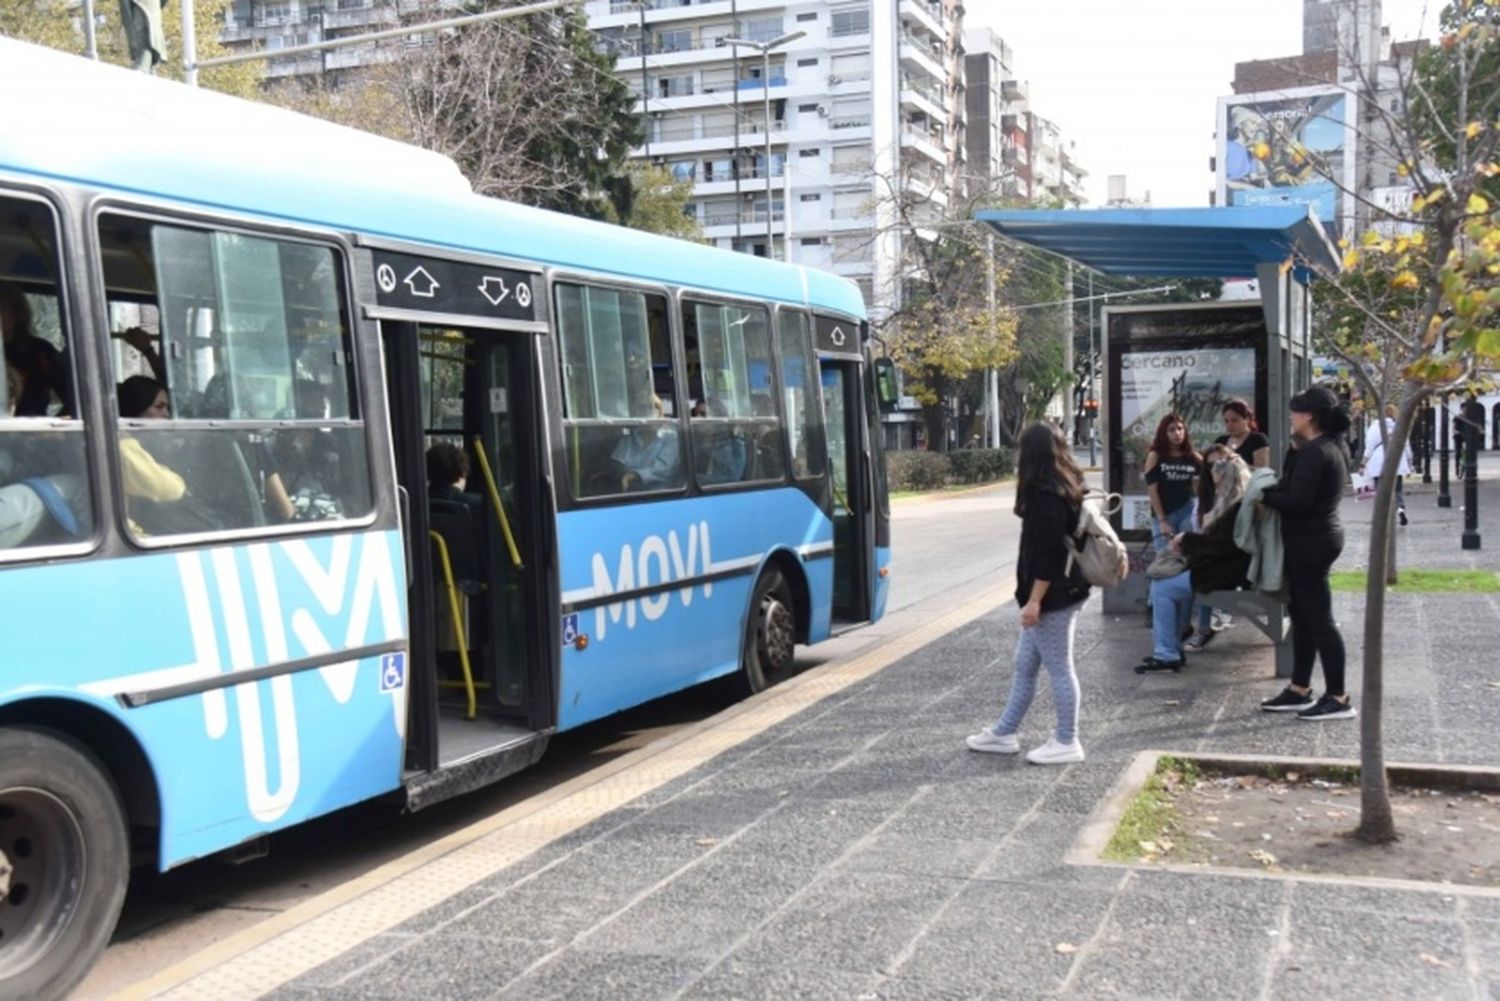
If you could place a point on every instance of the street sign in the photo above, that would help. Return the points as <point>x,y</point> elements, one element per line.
<point>404,281</point>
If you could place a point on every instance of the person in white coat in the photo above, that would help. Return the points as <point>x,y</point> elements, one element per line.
<point>1374,465</point>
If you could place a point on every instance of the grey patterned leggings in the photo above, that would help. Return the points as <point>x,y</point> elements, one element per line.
<point>1049,643</point>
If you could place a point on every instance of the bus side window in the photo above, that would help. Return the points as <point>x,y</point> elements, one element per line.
<point>804,412</point>
<point>738,438</point>
<point>621,408</point>
<point>248,339</point>
<point>44,494</point>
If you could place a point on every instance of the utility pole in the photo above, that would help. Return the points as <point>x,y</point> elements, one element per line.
<point>1093,393</point>
<point>640,6</point>
<point>764,48</point>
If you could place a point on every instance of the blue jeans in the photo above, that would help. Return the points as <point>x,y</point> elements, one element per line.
<point>1181,520</point>
<point>1049,645</point>
<point>1171,604</point>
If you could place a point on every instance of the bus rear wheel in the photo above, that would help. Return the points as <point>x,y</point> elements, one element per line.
<point>770,633</point>
<point>64,861</point>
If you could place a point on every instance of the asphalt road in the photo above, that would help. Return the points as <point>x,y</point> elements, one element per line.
<point>947,547</point>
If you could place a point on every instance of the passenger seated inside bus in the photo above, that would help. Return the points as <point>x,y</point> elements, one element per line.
<point>448,477</point>
<point>157,498</point>
<point>301,466</point>
<point>649,455</point>
<point>723,461</point>
<point>41,368</point>
<point>35,510</point>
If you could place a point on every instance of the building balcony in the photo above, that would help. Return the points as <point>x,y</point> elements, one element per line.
<point>926,100</point>
<point>1011,90</point>
<point>922,57</point>
<point>928,143</point>
<point>928,15</point>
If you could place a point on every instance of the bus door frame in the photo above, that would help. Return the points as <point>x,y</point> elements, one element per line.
<point>393,307</point>
<point>839,341</point>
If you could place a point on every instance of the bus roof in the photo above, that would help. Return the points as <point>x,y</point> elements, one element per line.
<point>112,128</point>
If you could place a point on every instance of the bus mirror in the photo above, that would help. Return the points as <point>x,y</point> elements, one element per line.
<point>885,385</point>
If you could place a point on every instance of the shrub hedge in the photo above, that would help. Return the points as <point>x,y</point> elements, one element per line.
<point>915,470</point>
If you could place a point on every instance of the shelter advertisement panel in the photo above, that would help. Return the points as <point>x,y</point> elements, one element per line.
<point>1288,147</point>
<point>1175,359</point>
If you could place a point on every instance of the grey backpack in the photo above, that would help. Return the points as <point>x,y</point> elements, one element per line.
<point>1094,546</point>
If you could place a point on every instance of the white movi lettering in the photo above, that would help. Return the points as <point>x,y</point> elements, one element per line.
<point>654,606</point>
<point>657,560</point>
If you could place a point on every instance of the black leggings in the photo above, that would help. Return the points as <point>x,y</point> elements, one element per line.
<point>1314,634</point>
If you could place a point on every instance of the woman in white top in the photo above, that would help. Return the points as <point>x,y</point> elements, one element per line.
<point>1374,466</point>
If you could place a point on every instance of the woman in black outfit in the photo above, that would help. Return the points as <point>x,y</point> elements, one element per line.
<point>1312,484</point>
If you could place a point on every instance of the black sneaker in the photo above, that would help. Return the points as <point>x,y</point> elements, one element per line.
<point>1155,664</point>
<point>1329,707</point>
<point>1288,701</point>
<point>1401,516</point>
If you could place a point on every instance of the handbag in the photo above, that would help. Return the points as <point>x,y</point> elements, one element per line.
<point>1168,563</point>
<point>1364,486</point>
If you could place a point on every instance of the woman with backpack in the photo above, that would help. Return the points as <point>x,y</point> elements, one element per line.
<point>1050,589</point>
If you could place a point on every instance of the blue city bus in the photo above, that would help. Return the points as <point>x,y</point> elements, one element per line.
<point>245,576</point>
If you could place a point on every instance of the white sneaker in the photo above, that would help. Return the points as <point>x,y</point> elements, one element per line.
<point>988,742</point>
<point>1053,753</point>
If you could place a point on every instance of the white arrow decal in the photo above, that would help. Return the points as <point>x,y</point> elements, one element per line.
<point>421,283</point>
<point>837,336</point>
<point>487,287</point>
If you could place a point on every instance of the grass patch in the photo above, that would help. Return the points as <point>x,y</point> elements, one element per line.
<point>951,488</point>
<point>1151,814</point>
<point>1421,581</point>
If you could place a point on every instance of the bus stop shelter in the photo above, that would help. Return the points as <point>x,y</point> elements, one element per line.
<point>1279,247</point>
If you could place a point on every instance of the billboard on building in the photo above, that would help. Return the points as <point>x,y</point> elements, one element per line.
<point>1289,147</point>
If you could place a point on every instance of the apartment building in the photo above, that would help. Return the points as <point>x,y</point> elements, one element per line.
<point>1012,152</point>
<point>1330,100</point>
<point>277,24</point>
<point>810,150</point>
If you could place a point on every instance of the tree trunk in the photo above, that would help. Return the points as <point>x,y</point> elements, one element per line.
<point>1377,824</point>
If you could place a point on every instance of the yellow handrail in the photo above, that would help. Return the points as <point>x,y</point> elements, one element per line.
<point>489,481</point>
<point>459,634</point>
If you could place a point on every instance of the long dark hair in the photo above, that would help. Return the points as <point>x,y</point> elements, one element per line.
<point>1045,464</point>
<point>1162,445</point>
<point>1243,409</point>
<point>136,394</point>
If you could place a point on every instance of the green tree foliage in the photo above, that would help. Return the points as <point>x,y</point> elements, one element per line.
<point>55,24</point>
<point>658,204</point>
<point>1414,310</point>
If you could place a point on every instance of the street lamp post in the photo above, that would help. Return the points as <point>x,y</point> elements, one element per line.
<point>640,6</point>
<point>1472,430</point>
<point>1444,499</point>
<point>764,48</point>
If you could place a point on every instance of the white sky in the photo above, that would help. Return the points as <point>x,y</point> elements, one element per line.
<point>1135,82</point>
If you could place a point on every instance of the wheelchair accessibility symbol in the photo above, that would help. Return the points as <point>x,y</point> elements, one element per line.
<point>569,628</point>
<point>392,671</point>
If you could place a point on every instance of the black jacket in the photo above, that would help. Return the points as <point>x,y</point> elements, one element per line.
<point>1312,484</point>
<point>1214,561</point>
<point>1045,528</point>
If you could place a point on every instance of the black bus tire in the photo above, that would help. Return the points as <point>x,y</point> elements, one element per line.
<point>770,634</point>
<point>63,838</point>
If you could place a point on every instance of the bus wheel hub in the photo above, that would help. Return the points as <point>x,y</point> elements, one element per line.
<point>4,876</point>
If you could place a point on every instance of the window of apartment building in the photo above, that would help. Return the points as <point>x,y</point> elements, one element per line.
<point>669,128</point>
<point>716,80</point>
<point>808,152</point>
<point>850,114</point>
<point>720,212</point>
<point>807,62</point>
<point>718,123</point>
<point>682,170</point>
<point>851,204</point>
<point>273,12</point>
<point>814,197</point>
<point>675,40</point>
<point>850,22</point>
<point>812,241</point>
<point>718,169</point>
<point>808,17</point>
<point>851,159</point>
<point>674,86</point>
<point>761,29</point>
<point>807,109</point>
<point>849,68</point>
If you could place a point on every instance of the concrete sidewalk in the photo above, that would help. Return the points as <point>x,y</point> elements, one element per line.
<point>851,847</point>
